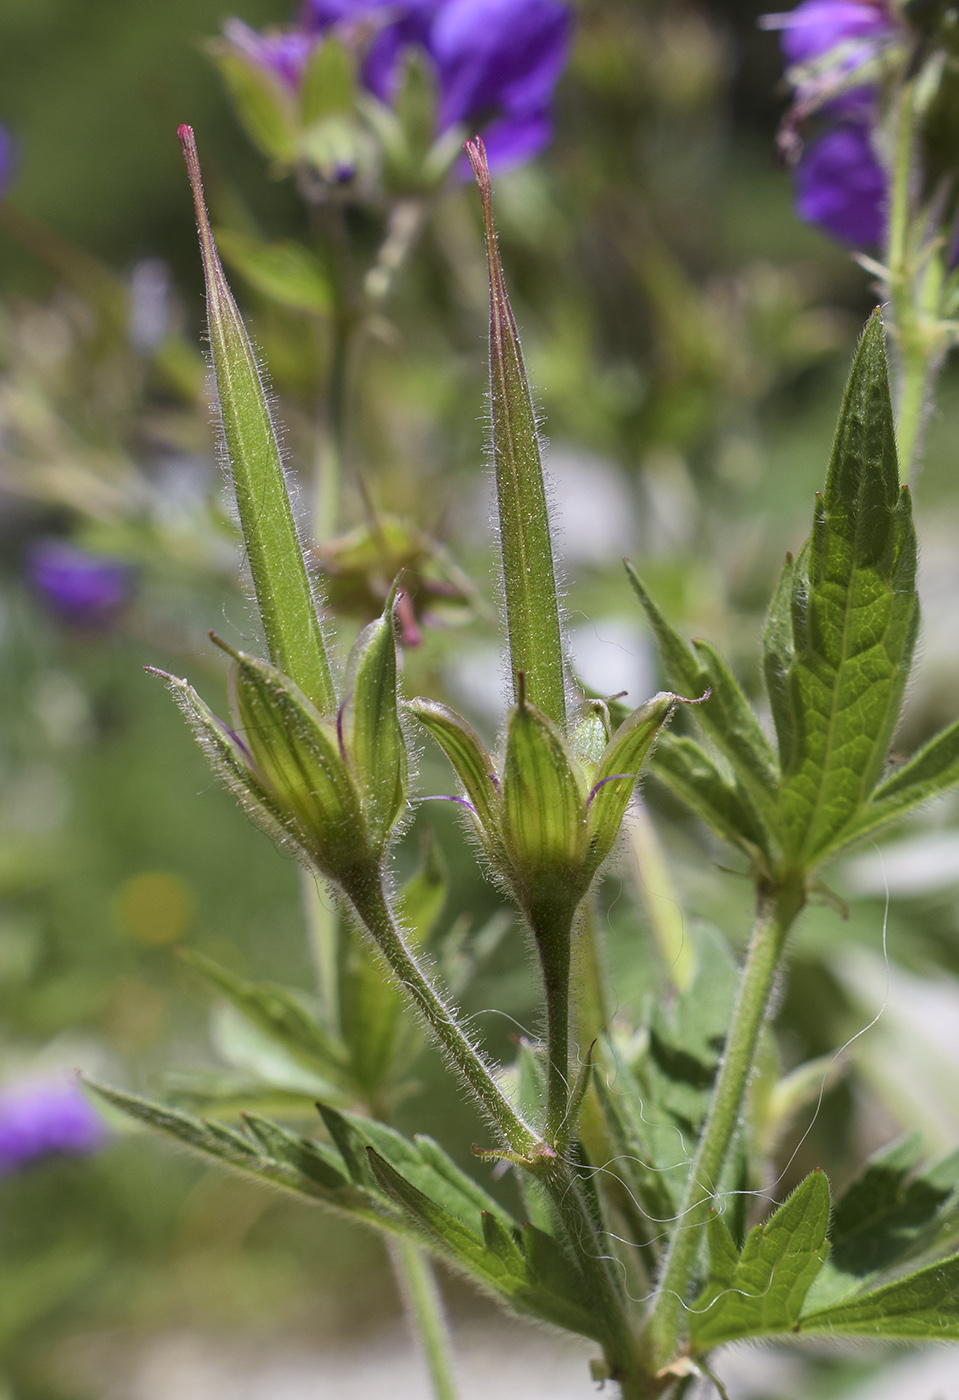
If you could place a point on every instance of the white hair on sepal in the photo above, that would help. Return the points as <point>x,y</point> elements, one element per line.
<point>334,649</point>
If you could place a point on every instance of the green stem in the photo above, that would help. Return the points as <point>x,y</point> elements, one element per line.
<point>913,285</point>
<point>591,1252</point>
<point>365,892</point>
<point>417,1283</point>
<point>777,909</point>
<point>556,985</point>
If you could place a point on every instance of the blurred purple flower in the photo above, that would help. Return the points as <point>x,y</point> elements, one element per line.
<point>8,159</point>
<point>80,588</point>
<point>840,183</point>
<point>841,186</point>
<point>44,1118</point>
<point>497,61</point>
<point>816,26</point>
<point>284,53</point>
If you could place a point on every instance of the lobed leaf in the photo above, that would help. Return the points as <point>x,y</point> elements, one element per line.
<point>886,1215</point>
<point>293,1163</point>
<point>761,1291</point>
<point>537,1279</point>
<point>854,621</point>
<point>929,773</point>
<point>688,771</point>
<point>922,1306</point>
<point>727,716</point>
<point>278,1012</point>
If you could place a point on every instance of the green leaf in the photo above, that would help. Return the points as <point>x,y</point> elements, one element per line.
<point>928,774</point>
<point>291,1163</point>
<point>469,757</point>
<point>689,772</point>
<point>529,576</point>
<point>538,1281</point>
<point>881,1219</point>
<point>854,621</point>
<point>684,671</point>
<point>423,1163</point>
<point>779,653</point>
<point>278,1012</point>
<point>923,1305</point>
<point>727,717</point>
<point>617,771</point>
<point>730,718</point>
<point>261,103</point>
<point>284,593</point>
<point>284,271</point>
<point>761,1292</point>
<point>675,1074</point>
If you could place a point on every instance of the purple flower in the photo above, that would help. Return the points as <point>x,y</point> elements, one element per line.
<point>43,1118</point>
<point>841,186</point>
<point>497,61</point>
<point>816,26</point>
<point>82,589</point>
<point>840,183</point>
<point>8,159</point>
<point>284,53</point>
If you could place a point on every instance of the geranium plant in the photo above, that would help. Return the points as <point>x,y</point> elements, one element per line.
<point>659,1257</point>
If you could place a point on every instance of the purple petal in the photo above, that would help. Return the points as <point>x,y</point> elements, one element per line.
<point>514,139</point>
<point>284,53</point>
<point>815,27</point>
<point>498,57</point>
<point>45,1117</point>
<point>81,588</point>
<point>841,186</point>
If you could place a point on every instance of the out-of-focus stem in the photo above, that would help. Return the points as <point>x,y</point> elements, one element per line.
<point>658,894</point>
<point>592,1012</point>
<point>414,1273</point>
<point>914,282</point>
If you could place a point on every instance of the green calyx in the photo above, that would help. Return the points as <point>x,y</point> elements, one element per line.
<point>550,818</point>
<point>331,786</point>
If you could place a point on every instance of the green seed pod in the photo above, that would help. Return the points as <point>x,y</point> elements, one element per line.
<point>544,816</point>
<point>370,726</point>
<point>296,759</point>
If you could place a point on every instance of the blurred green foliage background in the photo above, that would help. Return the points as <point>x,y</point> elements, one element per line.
<point>689,339</point>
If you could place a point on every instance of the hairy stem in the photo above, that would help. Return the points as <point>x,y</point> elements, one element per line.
<point>777,909</point>
<point>366,894</point>
<point>414,1274</point>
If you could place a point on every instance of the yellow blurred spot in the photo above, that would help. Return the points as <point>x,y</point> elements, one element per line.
<point>153,908</point>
